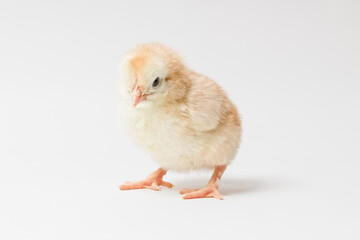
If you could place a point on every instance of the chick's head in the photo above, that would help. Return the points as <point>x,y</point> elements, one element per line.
<point>151,75</point>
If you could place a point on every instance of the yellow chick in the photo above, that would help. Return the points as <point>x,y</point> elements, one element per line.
<point>183,119</point>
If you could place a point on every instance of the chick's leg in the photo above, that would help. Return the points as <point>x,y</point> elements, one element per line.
<point>211,189</point>
<point>153,181</point>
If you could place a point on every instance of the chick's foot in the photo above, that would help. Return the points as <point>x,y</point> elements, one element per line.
<point>211,189</point>
<point>153,184</point>
<point>154,181</point>
<point>207,192</point>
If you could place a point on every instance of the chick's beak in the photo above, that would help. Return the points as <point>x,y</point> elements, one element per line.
<point>137,96</point>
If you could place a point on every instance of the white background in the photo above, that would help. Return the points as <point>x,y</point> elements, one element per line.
<point>291,67</point>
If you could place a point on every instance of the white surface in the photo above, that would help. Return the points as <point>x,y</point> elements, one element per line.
<point>292,68</point>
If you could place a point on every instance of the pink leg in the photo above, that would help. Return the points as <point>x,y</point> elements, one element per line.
<point>153,181</point>
<point>211,189</point>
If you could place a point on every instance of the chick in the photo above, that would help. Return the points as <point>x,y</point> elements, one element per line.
<point>183,119</point>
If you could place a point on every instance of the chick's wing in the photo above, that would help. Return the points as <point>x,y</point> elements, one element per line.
<point>205,101</point>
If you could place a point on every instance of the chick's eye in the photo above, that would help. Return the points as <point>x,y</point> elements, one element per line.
<point>156,82</point>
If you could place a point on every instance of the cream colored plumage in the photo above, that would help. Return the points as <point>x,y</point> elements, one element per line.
<point>182,118</point>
